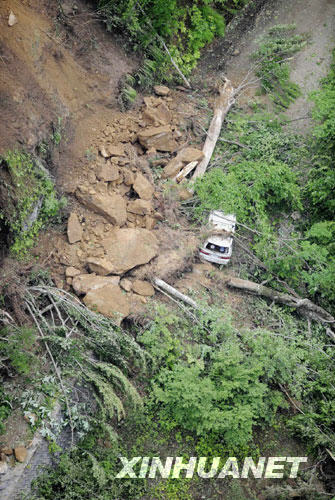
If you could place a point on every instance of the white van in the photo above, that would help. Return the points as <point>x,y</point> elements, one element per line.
<point>219,245</point>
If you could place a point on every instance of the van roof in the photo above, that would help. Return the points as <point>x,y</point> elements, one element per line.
<point>223,221</point>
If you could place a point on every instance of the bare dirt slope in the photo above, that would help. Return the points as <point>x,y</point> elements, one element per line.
<point>55,65</point>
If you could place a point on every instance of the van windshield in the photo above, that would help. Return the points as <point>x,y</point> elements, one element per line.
<point>216,248</point>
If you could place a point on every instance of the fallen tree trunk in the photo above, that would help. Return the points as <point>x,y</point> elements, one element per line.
<point>174,292</point>
<point>305,306</point>
<point>185,171</point>
<point>222,107</point>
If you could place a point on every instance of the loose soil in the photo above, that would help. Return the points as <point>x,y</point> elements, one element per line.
<point>67,66</point>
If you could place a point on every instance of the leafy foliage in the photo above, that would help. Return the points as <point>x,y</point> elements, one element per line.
<point>30,200</point>
<point>184,27</point>
<point>322,177</point>
<point>275,49</point>
<point>16,349</point>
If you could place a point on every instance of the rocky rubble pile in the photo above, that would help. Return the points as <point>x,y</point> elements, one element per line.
<point>114,230</point>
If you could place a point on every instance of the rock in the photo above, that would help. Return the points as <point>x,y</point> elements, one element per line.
<point>100,266</point>
<point>139,207</point>
<point>157,116</point>
<point>143,187</point>
<point>161,162</point>
<point>143,288</point>
<point>236,52</point>
<point>71,272</point>
<point>151,118</point>
<point>110,205</point>
<point>163,113</point>
<point>128,177</point>
<point>126,284</point>
<point>85,282</point>
<point>3,467</point>
<point>159,138</point>
<point>74,229</point>
<point>20,453</point>
<point>109,301</point>
<point>7,451</point>
<point>116,150</point>
<point>69,255</point>
<point>150,222</point>
<point>185,194</point>
<point>12,19</point>
<point>185,156</point>
<point>130,247</point>
<point>123,189</point>
<point>172,168</point>
<point>108,172</point>
<point>103,152</point>
<point>190,154</point>
<point>161,90</point>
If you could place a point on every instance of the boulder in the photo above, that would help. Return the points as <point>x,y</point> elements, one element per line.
<point>7,451</point>
<point>110,205</point>
<point>163,113</point>
<point>139,207</point>
<point>172,168</point>
<point>100,265</point>
<point>116,150</point>
<point>185,194</point>
<point>110,301</point>
<point>108,172</point>
<point>74,229</point>
<point>157,116</point>
<point>126,284</point>
<point>150,222</point>
<point>128,177</point>
<point>130,247</point>
<point>20,453</point>
<point>159,138</point>
<point>71,272</point>
<point>190,154</point>
<point>143,288</point>
<point>143,187</point>
<point>185,156</point>
<point>161,90</point>
<point>85,282</point>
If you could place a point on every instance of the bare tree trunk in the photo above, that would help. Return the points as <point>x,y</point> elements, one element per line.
<point>305,306</point>
<point>223,104</point>
<point>185,171</point>
<point>174,292</point>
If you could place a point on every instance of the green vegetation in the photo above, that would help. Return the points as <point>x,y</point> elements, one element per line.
<point>184,27</point>
<point>213,389</point>
<point>275,49</point>
<point>29,200</point>
<point>279,185</point>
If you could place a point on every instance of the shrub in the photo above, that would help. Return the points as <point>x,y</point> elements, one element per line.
<point>29,200</point>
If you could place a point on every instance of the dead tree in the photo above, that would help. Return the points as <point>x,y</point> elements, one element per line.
<point>304,306</point>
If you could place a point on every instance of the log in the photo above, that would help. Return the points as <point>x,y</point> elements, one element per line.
<point>185,171</point>
<point>174,292</point>
<point>305,306</point>
<point>225,101</point>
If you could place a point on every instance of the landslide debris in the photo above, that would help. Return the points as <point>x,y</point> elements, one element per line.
<point>116,241</point>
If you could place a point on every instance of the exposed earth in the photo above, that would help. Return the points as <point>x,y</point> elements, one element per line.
<point>120,227</point>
